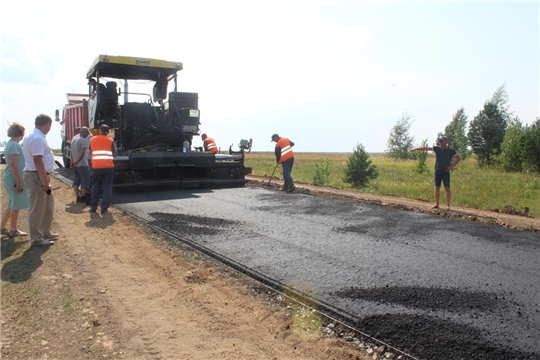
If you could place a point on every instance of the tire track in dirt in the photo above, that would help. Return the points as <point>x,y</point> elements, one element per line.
<point>144,310</point>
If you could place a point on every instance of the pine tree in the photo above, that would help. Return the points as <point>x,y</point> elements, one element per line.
<point>359,170</point>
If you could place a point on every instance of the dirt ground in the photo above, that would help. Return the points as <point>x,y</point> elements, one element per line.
<point>112,288</point>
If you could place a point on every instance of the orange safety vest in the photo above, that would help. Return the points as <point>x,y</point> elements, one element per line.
<point>286,150</point>
<point>102,156</point>
<point>210,145</point>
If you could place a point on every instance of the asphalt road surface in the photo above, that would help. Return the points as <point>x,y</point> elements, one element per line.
<point>435,287</point>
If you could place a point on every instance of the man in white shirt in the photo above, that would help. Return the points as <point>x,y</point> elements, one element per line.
<point>39,165</point>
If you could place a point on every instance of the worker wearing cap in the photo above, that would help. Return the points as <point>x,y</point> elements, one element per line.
<point>209,144</point>
<point>103,151</point>
<point>79,162</point>
<point>285,157</point>
<point>443,165</point>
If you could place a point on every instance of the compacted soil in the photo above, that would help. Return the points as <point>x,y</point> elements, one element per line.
<point>113,288</point>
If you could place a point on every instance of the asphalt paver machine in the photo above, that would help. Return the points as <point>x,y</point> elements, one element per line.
<point>150,126</point>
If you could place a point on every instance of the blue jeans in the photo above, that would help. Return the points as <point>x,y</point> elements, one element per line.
<point>287,168</point>
<point>102,177</point>
<point>81,177</point>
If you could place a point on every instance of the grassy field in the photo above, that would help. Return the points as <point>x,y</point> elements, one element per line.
<point>472,186</point>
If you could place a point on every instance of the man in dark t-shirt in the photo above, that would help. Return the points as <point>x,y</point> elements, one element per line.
<point>443,165</point>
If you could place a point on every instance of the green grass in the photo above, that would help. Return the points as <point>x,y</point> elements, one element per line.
<point>307,323</point>
<point>472,186</point>
<point>68,302</point>
<point>12,248</point>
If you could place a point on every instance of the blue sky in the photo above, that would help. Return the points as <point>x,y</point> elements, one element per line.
<point>328,75</point>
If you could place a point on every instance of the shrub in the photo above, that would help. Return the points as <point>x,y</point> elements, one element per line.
<point>323,171</point>
<point>511,158</point>
<point>421,157</point>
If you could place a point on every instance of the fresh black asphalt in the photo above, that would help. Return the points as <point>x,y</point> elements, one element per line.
<point>432,286</point>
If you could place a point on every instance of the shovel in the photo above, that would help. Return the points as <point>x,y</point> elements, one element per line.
<point>271,176</point>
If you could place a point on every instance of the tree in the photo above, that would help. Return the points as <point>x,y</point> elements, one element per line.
<point>359,170</point>
<point>455,132</point>
<point>531,147</point>
<point>501,99</point>
<point>512,147</point>
<point>486,133</point>
<point>399,141</point>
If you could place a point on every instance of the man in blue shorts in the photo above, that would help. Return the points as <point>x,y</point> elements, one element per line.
<point>79,162</point>
<point>443,165</point>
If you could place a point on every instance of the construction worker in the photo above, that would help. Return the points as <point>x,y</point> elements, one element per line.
<point>285,157</point>
<point>209,144</point>
<point>94,85</point>
<point>103,151</point>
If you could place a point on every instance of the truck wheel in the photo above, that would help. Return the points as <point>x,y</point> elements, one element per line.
<point>67,160</point>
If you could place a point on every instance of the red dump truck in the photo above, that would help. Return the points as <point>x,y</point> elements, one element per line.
<point>74,115</point>
<point>149,134</point>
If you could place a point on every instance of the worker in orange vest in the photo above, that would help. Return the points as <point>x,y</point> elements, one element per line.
<point>103,151</point>
<point>285,157</point>
<point>209,144</point>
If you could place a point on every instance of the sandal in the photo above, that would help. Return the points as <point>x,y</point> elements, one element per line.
<point>17,233</point>
<point>4,231</point>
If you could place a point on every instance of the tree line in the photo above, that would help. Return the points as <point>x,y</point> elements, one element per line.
<point>495,136</point>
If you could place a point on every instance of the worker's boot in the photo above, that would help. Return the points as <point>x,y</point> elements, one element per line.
<point>285,186</point>
<point>291,187</point>
<point>88,199</point>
